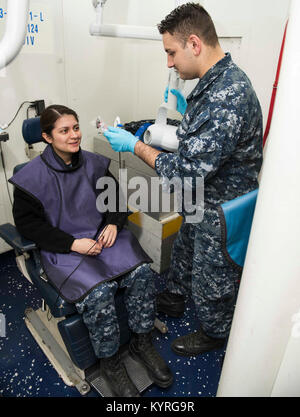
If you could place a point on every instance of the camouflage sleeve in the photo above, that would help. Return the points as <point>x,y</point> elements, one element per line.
<point>201,144</point>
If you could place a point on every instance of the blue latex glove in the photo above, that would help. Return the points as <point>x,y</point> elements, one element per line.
<point>120,140</point>
<point>181,101</point>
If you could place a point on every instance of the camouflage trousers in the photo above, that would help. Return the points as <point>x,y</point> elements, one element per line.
<point>200,270</point>
<point>99,313</point>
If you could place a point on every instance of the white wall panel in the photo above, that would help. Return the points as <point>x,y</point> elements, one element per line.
<point>37,73</point>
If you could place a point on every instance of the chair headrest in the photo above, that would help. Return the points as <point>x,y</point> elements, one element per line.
<point>31,130</point>
<point>18,167</point>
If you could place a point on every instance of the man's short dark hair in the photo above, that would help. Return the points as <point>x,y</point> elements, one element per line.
<point>188,19</point>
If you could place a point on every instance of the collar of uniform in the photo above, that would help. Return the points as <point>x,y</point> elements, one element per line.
<point>55,162</point>
<point>211,75</point>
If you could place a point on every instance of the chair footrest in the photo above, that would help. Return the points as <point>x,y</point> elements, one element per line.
<point>49,343</point>
<point>137,372</point>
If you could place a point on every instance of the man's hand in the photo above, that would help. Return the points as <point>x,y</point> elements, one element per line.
<point>120,140</point>
<point>108,237</point>
<point>87,246</point>
<point>123,141</point>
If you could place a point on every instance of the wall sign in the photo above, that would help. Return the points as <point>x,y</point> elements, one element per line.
<point>40,27</point>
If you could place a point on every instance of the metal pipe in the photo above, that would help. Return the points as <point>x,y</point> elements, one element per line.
<point>125,31</point>
<point>122,31</point>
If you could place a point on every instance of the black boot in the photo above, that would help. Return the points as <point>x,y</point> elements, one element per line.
<point>117,378</point>
<point>142,349</point>
<point>169,303</point>
<point>195,343</point>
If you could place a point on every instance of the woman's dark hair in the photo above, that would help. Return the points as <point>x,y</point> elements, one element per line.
<point>51,114</point>
<point>188,19</point>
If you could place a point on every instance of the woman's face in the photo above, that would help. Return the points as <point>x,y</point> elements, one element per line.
<point>65,137</point>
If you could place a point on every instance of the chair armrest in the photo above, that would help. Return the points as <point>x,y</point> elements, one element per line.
<point>12,237</point>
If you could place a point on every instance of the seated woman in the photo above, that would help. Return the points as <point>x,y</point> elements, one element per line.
<point>86,254</point>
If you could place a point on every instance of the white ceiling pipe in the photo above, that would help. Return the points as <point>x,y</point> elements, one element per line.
<point>181,2</point>
<point>15,31</point>
<point>125,31</point>
<point>122,31</point>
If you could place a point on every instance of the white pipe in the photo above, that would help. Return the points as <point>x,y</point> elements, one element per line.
<point>269,296</point>
<point>125,31</point>
<point>181,2</point>
<point>122,31</point>
<point>15,31</point>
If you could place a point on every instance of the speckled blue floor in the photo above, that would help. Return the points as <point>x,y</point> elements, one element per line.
<point>26,372</point>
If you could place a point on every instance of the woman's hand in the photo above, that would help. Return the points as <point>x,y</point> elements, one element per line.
<point>87,246</point>
<point>108,237</point>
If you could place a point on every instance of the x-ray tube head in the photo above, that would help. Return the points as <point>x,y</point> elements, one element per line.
<point>162,136</point>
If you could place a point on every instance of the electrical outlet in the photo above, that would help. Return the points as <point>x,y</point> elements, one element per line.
<point>39,106</point>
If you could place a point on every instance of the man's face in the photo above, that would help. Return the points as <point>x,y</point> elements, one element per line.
<point>180,57</point>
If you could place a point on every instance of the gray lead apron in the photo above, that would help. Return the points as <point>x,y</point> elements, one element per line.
<point>68,197</point>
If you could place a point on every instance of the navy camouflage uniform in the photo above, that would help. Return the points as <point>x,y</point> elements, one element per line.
<point>220,140</point>
<point>99,314</point>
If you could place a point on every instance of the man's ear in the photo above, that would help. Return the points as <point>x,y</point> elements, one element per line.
<point>195,44</point>
<point>46,137</point>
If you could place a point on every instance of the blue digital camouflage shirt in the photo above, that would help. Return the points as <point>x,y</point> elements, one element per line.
<point>220,136</point>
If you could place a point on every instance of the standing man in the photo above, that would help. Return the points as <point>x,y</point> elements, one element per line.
<point>220,140</point>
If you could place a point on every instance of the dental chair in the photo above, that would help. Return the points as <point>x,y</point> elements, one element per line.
<point>236,218</point>
<point>56,326</point>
